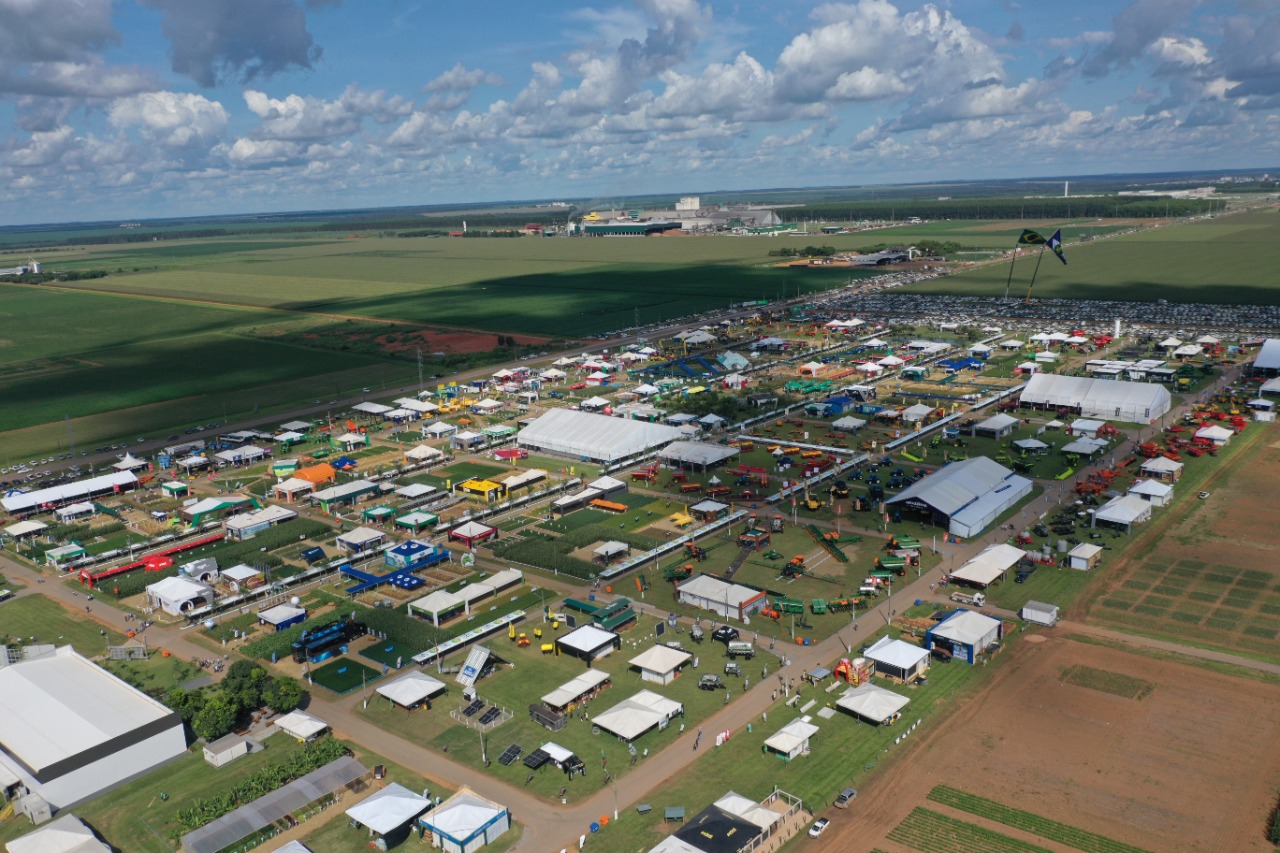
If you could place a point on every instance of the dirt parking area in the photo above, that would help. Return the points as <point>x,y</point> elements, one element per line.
<point>1193,766</point>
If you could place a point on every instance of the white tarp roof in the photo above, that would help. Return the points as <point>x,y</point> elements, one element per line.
<point>423,451</point>
<point>1104,398</point>
<point>967,627</point>
<point>415,490</point>
<point>1085,551</point>
<point>660,659</point>
<point>1214,433</point>
<point>1151,487</point>
<point>1128,509</point>
<point>68,491</point>
<point>1085,446</point>
<point>1030,444</point>
<point>895,653</point>
<point>872,702</point>
<point>334,493</point>
<point>791,737</point>
<point>594,436</point>
<point>557,752</point>
<point>389,809</point>
<point>714,589</point>
<point>439,428</point>
<point>290,436</point>
<point>67,834</point>
<point>997,422</point>
<point>607,484</point>
<point>1161,464</point>
<point>411,688</point>
<point>588,638</point>
<point>570,690</point>
<point>472,529</point>
<point>240,573</point>
<point>632,717</point>
<point>178,589</point>
<point>281,613</point>
<point>697,453</point>
<point>748,809</point>
<point>371,408</point>
<point>917,412</point>
<point>440,601</point>
<point>849,423</point>
<point>301,725</point>
<point>1268,357</point>
<point>129,462</point>
<point>22,528</point>
<point>414,405</point>
<point>608,549</point>
<point>361,536</point>
<point>464,814</point>
<point>294,484</point>
<point>989,564</point>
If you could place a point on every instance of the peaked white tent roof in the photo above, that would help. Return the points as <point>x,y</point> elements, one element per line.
<point>896,653</point>
<point>594,436</point>
<point>1161,464</point>
<point>660,659</point>
<point>632,717</point>
<point>872,702</point>
<point>389,809</point>
<point>951,488</point>
<point>463,814</point>
<point>989,564</point>
<point>791,737</point>
<point>570,690</point>
<point>423,451</point>
<point>301,725</point>
<point>1128,509</point>
<point>1103,398</point>
<point>411,688</point>
<point>1154,488</point>
<point>129,462</point>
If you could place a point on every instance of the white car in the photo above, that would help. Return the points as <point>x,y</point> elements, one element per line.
<point>819,827</point>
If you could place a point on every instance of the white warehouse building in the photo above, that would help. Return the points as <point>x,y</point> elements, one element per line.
<point>70,730</point>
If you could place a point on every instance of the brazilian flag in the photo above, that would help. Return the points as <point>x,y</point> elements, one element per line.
<point>1055,243</point>
<point>1031,238</point>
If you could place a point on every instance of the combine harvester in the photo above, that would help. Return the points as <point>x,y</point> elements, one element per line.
<point>157,562</point>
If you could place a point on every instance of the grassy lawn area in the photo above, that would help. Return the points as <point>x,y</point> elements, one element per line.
<point>1053,584</point>
<point>37,619</point>
<point>156,675</point>
<point>342,675</point>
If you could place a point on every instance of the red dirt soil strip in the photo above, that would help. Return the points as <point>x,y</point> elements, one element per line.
<point>1193,767</point>
<point>449,340</point>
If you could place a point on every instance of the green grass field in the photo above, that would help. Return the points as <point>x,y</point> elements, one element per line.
<point>1115,683</point>
<point>1226,260</point>
<point>342,675</point>
<point>36,619</point>
<point>933,832</point>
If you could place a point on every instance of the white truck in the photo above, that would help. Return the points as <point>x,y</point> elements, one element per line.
<point>975,599</point>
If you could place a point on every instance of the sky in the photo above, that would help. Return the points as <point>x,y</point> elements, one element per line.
<point>122,109</point>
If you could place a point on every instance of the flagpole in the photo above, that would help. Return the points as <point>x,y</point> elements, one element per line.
<point>1039,258</point>
<point>1009,280</point>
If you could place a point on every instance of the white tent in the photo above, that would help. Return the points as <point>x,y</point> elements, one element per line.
<point>897,659</point>
<point>439,429</point>
<point>466,822</point>
<point>423,452</point>
<point>389,809</point>
<point>437,604</point>
<point>1124,511</point>
<point>1217,434</point>
<point>596,437</point>
<point>1153,491</point>
<point>660,664</point>
<point>792,739</point>
<point>631,718</point>
<point>848,424</point>
<point>989,565</point>
<point>571,690</point>
<point>1136,402</point>
<point>872,703</point>
<point>300,725</point>
<point>176,595</point>
<point>67,834</point>
<point>412,688</point>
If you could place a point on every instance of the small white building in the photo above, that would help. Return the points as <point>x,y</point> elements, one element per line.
<point>792,740</point>
<point>1217,434</point>
<point>897,659</point>
<point>1152,491</point>
<point>1084,557</point>
<point>227,749</point>
<point>660,664</point>
<point>301,726</point>
<point>1040,613</point>
<point>1163,469</point>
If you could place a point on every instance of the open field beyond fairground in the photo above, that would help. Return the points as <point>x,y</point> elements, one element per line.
<point>1060,751</point>
<point>1229,260</point>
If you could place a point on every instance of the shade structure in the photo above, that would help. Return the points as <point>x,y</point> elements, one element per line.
<point>1136,402</point>
<point>872,703</point>
<point>411,689</point>
<point>466,822</point>
<point>792,739</point>
<point>387,810</point>
<point>633,717</point>
<point>598,438</point>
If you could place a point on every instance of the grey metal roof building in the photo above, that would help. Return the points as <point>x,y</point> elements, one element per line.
<point>967,496</point>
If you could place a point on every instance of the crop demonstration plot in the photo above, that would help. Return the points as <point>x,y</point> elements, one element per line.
<point>1206,574</point>
<point>1115,683</point>
<point>930,832</point>
<point>1092,769</point>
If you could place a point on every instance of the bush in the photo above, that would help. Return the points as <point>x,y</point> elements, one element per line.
<point>1275,825</point>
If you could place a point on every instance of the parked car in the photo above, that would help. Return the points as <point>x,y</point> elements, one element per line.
<point>845,797</point>
<point>710,682</point>
<point>819,827</point>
